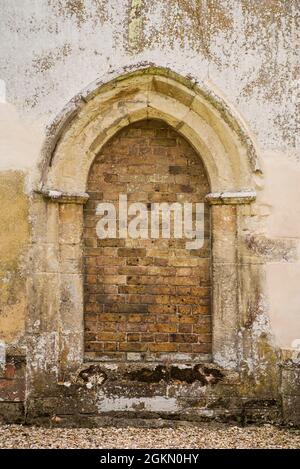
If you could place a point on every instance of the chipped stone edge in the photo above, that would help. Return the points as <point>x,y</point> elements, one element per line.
<point>230,198</point>
<point>64,197</point>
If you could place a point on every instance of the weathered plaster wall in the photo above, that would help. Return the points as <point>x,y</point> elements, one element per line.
<point>247,50</point>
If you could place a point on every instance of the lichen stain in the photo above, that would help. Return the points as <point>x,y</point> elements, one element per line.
<point>253,308</point>
<point>48,60</point>
<point>71,9</point>
<point>204,375</point>
<point>39,92</point>
<point>288,125</point>
<point>266,24</point>
<point>93,375</point>
<point>135,26</point>
<point>192,23</point>
<point>13,242</point>
<point>265,374</point>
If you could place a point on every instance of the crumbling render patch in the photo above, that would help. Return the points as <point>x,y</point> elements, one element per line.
<point>91,376</point>
<point>204,374</point>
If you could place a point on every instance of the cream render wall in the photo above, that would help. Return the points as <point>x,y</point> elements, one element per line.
<point>281,194</point>
<point>246,51</point>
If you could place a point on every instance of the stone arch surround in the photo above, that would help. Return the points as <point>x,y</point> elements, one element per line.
<point>230,160</point>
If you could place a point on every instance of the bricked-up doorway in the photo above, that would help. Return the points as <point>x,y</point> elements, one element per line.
<point>146,298</point>
<point>74,142</point>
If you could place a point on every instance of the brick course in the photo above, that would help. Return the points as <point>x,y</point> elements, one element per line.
<point>150,296</point>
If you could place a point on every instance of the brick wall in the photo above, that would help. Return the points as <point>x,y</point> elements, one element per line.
<point>145,298</point>
<point>12,389</point>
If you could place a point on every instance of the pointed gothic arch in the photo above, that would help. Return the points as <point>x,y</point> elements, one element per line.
<point>79,133</point>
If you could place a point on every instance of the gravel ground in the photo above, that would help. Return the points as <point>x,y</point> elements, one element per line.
<point>206,435</point>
